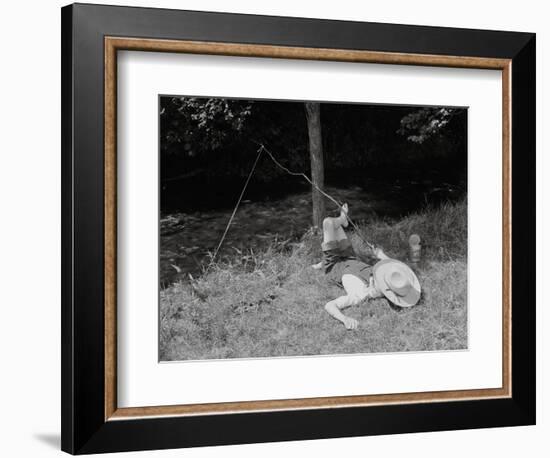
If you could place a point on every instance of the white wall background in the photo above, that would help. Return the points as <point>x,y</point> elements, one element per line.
<point>30,226</point>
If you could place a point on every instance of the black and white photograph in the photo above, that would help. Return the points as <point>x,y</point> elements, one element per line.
<point>300,228</point>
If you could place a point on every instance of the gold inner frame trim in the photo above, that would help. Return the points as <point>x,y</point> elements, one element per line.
<point>114,44</point>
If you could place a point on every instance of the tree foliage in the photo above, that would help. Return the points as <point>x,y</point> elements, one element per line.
<point>210,144</point>
<point>193,125</point>
<point>425,123</point>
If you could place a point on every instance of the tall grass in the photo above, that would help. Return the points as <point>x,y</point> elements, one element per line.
<point>270,302</point>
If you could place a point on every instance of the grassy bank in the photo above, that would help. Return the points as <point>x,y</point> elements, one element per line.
<point>271,302</point>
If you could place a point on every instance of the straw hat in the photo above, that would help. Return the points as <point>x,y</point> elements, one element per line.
<point>397,282</point>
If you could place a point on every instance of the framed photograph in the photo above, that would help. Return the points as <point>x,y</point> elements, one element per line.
<point>284,228</point>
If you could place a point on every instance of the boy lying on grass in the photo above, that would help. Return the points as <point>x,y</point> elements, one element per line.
<point>388,277</point>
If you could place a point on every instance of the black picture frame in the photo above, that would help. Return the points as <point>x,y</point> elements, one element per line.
<point>84,427</point>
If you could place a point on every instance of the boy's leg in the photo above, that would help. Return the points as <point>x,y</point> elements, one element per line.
<point>333,228</point>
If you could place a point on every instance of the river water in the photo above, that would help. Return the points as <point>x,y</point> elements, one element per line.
<point>188,238</point>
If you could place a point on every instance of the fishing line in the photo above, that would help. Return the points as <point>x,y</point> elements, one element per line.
<point>261,149</point>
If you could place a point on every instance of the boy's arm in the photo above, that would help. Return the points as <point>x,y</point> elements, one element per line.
<point>334,311</point>
<point>379,253</point>
<point>376,252</point>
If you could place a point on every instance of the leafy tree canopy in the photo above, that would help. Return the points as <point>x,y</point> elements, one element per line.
<point>425,123</point>
<point>193,125</point>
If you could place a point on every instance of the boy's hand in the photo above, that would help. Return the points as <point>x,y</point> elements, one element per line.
<point>379,253</point>
<point>350,323</point>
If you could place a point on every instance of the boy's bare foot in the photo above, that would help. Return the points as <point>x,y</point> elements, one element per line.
<point>344,210</point>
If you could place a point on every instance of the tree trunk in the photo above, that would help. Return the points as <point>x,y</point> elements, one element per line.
<point>313,115</point>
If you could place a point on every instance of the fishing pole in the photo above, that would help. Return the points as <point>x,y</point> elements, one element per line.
<point>338,204</point>
<point>260,150</point>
